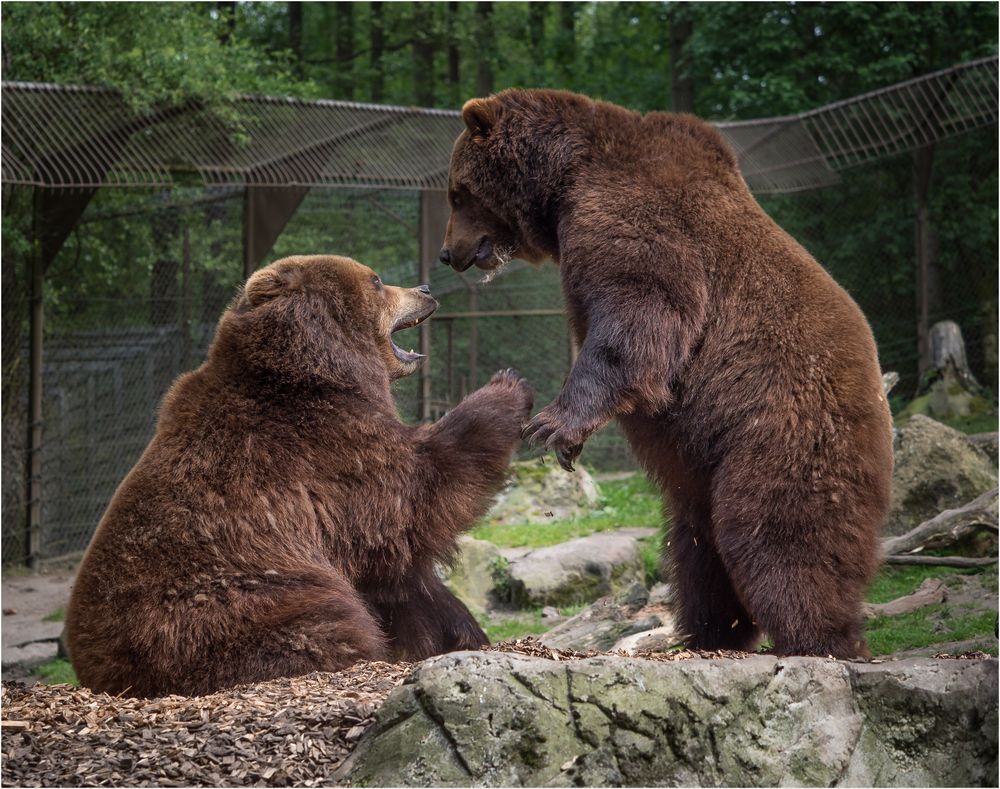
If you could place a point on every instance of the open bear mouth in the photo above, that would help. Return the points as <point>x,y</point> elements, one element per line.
<point>483,254</point>
<point>411,356</point>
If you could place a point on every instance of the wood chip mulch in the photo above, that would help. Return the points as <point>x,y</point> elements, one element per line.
<point>975,655</point>
<point>279,733</point>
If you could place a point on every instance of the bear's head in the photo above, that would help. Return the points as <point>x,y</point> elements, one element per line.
<point>322,319</point>
<point>510,168</point>
<point>524,153</point>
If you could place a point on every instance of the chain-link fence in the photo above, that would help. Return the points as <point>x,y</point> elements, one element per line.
<point>132,299</point>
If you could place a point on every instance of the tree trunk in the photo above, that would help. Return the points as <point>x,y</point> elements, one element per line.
<point>681,82</point>
<point>344,78</point>
<point>923,160</point>
<point>377,45</point>
<point>487,48</point>
<point>163,283</point>
<point>295,36</point>
<point>567,44</point>
<point>536,34</point>
<point>454,56</point>
<point>227,13</point>
<point>423,54</point>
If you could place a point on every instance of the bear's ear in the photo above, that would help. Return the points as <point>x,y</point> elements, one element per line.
<point>480,115</point>
<point>268,283</point>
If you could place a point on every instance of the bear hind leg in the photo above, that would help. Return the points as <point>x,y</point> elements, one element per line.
<point>800,578</point>
<point>314,623</point>
<point>710,612</point>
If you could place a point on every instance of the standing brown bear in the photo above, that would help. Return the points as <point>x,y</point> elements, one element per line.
<point>283,519</point>
<point>745,379</point>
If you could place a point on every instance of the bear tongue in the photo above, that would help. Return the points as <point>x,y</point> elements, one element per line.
<point>405,356</point>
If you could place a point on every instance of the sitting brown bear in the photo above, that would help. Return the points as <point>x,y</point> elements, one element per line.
<point>283,519</point>
<point>745,378</point>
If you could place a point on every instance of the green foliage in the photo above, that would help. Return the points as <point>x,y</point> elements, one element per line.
<point>57,671</point>
<point>58,615</point>
<point>627,502</point>
<point>752,60</point>
<point>499,573</point>
<point>152,52</point>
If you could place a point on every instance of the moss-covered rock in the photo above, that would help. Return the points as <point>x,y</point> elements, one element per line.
<point>936,468</point>
<point>539,490</point>
<point>489,719</point>
<point>471,575</point>
<point>578,571</point>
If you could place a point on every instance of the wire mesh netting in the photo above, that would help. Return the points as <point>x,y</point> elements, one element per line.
<point>133,296</point>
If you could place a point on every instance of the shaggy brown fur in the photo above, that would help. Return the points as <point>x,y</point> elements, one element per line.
<point>283,519</point>
<point>745,379</point>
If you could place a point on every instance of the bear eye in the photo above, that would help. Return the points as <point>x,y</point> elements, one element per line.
<point>456,201</point>
<point>377,282</point>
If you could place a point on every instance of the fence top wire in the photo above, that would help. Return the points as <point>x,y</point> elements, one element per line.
<point>60,136</point>
<point>805,151</point>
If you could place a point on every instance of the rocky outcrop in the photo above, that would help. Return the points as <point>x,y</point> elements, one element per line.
<point>601,625</point>
<point>492,719</point>
<point>988,443</point>
<point>936,468</point>
<point>577,571</point>
<point>538,491</point>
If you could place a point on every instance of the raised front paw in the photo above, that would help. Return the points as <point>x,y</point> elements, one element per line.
<point>518,385</point>
<point>557,430</point>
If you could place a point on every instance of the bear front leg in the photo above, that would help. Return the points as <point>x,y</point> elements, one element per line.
<point>464,456</point>
<point>423,618</point>
<point>639,305</point>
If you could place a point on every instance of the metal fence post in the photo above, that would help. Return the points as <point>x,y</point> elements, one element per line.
<point>434,212</point>
<point>34,459</point>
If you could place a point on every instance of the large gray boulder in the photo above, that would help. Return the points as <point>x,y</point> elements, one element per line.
<point>539,490</point>
<point>577,571</point>
<point>936,468</point>
<point>489,719</point>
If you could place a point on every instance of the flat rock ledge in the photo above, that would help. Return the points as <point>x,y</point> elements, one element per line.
<point>495,719</point>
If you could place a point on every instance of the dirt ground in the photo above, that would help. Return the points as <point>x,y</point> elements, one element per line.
<point>26,638</point>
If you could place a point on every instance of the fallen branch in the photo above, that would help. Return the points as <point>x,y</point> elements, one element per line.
<point>930,592</point>
<point>947,527</point>
<point>941,561</point>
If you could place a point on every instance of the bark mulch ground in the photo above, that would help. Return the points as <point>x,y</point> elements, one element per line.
<point>285,732</point>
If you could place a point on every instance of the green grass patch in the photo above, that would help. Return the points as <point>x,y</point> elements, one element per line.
<point>974,423</point>
<point>504,627</point>
<point>935,624</point>
<point>58,615</point>
<point>983,419</point>
<point>651,549</point>
<point>57,671</point>
<point>630,502</point>
<point>895,581</point>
